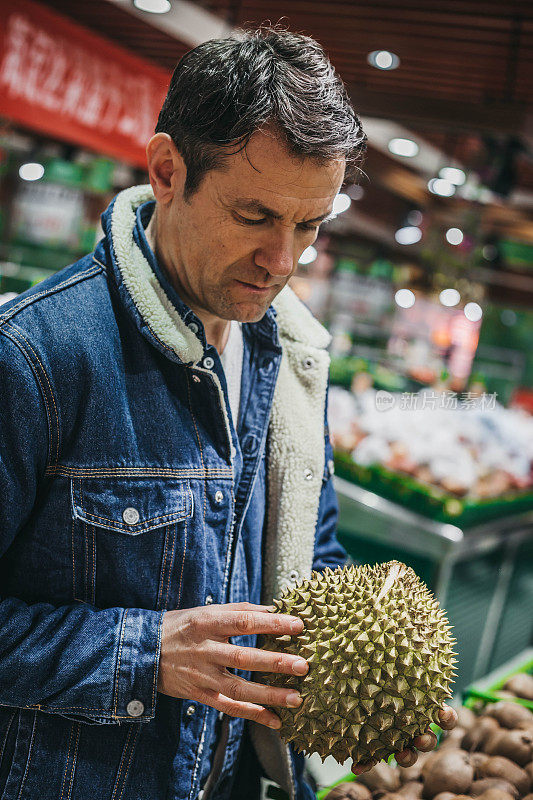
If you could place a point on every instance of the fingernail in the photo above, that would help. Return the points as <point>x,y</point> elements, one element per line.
<point>293,700</point>
<point>427,740</point>
<point>296,624</point>
<point>275,723</point>
<point>299,667</point>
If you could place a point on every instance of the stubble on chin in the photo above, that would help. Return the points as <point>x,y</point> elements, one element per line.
<point>229,308</point>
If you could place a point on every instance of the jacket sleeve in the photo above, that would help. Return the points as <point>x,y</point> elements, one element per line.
<point>74,659</point>
<point>328,550</point>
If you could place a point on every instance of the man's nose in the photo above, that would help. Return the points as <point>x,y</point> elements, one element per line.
<point>277,254</point>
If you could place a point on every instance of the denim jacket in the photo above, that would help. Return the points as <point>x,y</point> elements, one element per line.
<point>127,489</point>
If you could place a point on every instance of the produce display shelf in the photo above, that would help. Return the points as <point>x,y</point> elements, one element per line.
<point>430,501</point>
<point>488,687</point>
<point>481,574</point>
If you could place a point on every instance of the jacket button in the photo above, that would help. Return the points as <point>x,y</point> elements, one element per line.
<point>192,326</point>
<point>191,710</point>
<point>209,362</point>
<point>135,708</point>
<point>294,575</point>
<point>219,496</point>
<point>309,362</point>
<point>308,474</point>
<point>130,516</point>
<point>208,600</point>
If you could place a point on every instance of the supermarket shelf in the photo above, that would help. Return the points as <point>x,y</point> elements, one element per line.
<point>387,522</point>
<point>476,571</point>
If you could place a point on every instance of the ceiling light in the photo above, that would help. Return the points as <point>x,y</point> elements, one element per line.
<point>449,297</point>
<point>454,236</point>
<point>508,317</point>
<point>383,59</point>
<point>153,6</point>
<point>31,171</point>
<point>403,147</point>
<point>473,312</point>
<point>415,217</point>
<point>341,203</point>
<point>308,255</point>
<point>441,187</point>
<point>355,192</point>
<point>408,235</point>
<point>453,175</point>
<point>404,298</point>
<point>490,252</point>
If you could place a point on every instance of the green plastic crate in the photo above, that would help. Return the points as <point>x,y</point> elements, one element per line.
<point>430,501</point>
<point>487,688</point>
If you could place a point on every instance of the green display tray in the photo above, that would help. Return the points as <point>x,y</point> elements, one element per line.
<point>430,501</point>
<point>350,777</point>
<point>487,688</point>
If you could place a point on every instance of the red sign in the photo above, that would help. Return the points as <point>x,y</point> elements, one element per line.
<point>63,80</point>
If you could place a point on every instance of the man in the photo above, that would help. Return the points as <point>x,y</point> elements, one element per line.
<point>164,463</point>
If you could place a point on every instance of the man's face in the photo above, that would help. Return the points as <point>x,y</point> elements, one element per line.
<point>237,241</point>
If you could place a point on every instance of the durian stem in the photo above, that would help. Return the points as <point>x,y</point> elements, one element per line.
<point>397,570</point>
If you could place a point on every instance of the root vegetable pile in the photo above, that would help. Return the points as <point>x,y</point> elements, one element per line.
<point>486,757</point>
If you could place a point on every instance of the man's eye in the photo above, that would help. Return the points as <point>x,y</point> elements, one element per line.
<point>247,221</point>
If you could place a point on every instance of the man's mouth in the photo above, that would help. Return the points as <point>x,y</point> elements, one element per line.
<point>252,287</point>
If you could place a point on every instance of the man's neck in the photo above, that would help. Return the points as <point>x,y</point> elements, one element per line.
<point>216,330</point>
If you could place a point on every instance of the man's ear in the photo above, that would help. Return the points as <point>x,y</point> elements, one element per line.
<point>166,168</point>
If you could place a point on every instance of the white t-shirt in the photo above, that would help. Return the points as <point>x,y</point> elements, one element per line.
<point>231,360</point>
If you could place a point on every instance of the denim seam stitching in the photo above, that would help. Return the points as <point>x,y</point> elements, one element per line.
<point>171,561</point>
<point>7,734</point>
<point>117,676</point>
<point>195,769</point>
<point>222,472</point>
<point>73,561</point>
<point>88,273</point>
<point>93,587</point>
<point>74,762</point>
<point>156,659</point>
<point>110,714</point>
<point>162,579</point>
<point>183,564</point>
<point>118,525</point>
<point>21,347</point>
<point>21,335</point>
<point>201,451</point>
<point>30,751</point>
<point>132,751</point>
<point>68,759</point>
<point>122,760</point>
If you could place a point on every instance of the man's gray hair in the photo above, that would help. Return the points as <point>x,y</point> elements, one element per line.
<point>225,90</point>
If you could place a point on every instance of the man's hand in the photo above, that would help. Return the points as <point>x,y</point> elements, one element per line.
<point>196,655</point>
<point>426,742</point>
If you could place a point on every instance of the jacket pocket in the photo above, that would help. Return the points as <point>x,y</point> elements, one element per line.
<point>125,535</point>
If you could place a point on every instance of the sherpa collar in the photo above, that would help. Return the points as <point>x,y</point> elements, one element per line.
<point>294,320</point>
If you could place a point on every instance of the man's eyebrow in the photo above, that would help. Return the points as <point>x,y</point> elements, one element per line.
<point>257,207</point>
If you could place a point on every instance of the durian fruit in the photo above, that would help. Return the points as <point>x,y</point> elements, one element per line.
<point>380,661</point>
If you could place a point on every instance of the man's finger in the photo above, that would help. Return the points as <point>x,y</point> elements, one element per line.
<point>255,660</point>
<point>235,709</point>
<point>447,718</point>
<point>407,757</point>
<point>223,623</point>
<point>425,742</point>
<point>358,769</point>
<point>244,691</point>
